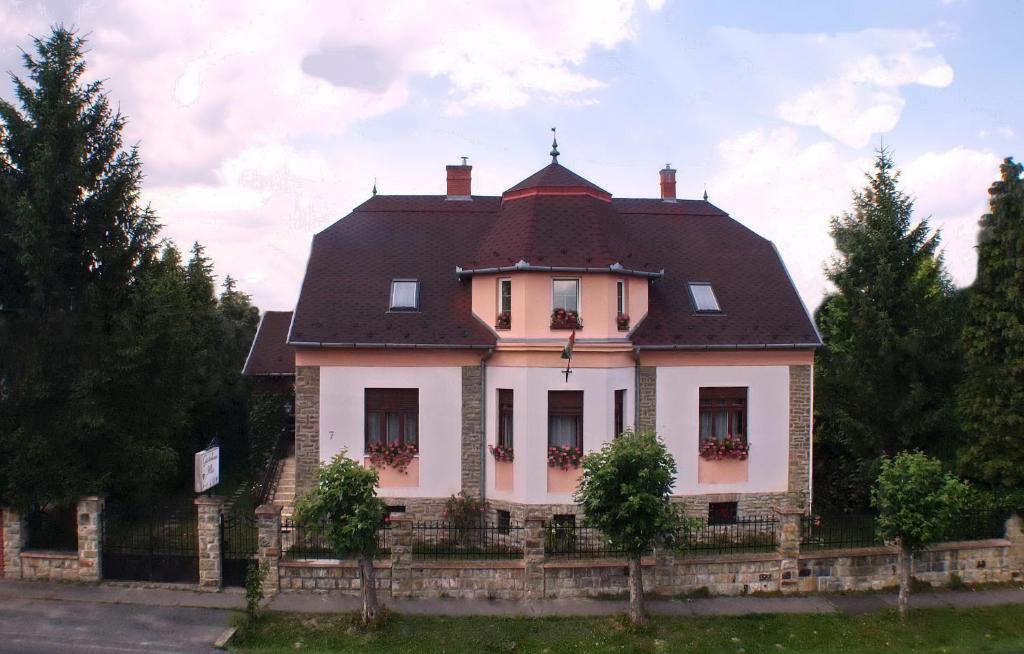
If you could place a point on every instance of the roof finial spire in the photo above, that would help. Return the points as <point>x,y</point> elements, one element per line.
<point>375,186</point>
<point>554,145</point>
<point>705,192</point>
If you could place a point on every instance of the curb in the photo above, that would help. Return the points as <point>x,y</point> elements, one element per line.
<point>225,638</point>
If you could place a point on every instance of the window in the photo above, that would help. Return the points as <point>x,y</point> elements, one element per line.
<point>564,520</point>
<point>620,410</point>
<point>565,294</point>
<point>405,294</point>
<point>505,417</point>
<point>565,419</point>
<point>392,416</point>
<point>396,508</point>
<point>620,297</point>
<point>723,412</point>
<point>504,295</point>
<point>704,299</point>
<point>722,513</point>
<point>504,521</point>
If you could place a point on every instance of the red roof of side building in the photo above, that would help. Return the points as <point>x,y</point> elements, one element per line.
<point>270,354</point>
<point>565,224</point>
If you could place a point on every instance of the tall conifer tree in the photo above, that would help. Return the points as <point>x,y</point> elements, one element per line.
<point>884,379</point>
<point>992,397</point>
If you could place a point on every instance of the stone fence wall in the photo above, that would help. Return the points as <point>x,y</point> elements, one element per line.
<point>55,565</point>
<point>666,573</point>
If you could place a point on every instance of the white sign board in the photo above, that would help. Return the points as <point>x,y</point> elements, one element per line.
<point>207,469</point>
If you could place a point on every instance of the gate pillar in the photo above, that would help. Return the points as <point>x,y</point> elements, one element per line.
<point>90,532</point>
<point>209,512</point>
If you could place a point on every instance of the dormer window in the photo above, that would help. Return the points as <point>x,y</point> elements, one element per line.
<point>704,300</point>
<point>405,295</point>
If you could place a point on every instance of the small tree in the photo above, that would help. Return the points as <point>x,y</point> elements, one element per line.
<point>624,492</point>
<point>918,503</point>
<point>343,508</point>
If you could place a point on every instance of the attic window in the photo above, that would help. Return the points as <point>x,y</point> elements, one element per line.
<point>704,299</point>
<point>405,295</point>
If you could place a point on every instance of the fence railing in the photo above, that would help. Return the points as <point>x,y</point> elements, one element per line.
<point>52,529</point>
<point>262,491</point>
<point>571,541</point>
<point>975,524</point>
<point>751,534</point>
<point>445,541</point>
<point>838,532</point>
<point>298,543</point>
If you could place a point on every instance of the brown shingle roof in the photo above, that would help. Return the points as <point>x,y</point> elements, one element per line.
<point>344,298</point>
<point>270,353</point>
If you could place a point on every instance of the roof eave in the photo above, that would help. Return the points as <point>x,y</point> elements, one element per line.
<point>733,346</point>
<point>391,346</point>
<point>522,266</point>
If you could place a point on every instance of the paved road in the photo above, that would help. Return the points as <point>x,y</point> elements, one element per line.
<point>37,626</point>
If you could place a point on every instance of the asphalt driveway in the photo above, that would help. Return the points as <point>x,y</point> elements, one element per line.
<point>47,625</point>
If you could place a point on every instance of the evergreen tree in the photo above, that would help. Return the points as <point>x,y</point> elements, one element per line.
<point>992,397</point>
<point>885,378</point>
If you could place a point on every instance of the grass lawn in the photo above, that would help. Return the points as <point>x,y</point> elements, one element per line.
<point>991,629</point>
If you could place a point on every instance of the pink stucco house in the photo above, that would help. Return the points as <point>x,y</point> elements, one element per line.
<point>438,323</point>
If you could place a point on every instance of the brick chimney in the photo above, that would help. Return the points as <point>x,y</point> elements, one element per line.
<point>668,184</point>
<point>460,178</point>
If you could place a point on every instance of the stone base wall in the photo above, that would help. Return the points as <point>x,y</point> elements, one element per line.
<point>748,504</point>
<point>727,575</point>
<point>875,568</point>
<point>467,579</point>
<point>40,565</point>
<point>340,577</point>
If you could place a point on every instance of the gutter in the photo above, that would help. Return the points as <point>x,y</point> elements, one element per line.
<point>522,266</point>
<point>391,346</point>
<point>483,424</point>
<point>738,346</point>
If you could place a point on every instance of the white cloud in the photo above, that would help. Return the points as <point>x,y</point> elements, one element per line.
<point>787,191</point>
<point>849,85</point>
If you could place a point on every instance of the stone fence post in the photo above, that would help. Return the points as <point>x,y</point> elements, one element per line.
<point>15,535</point>
<point>268,524</point>
<point>209,514</point>
<point>789,548</point>
<point>1015,534</point>
<point>533,554</point>
<point>401,557</point>
<point>90,537</point>
<point>664,569</point>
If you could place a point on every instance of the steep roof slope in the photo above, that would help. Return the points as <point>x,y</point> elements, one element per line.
<point>270,353</point>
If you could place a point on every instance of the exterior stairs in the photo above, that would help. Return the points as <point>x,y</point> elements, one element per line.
<point>284,492</point>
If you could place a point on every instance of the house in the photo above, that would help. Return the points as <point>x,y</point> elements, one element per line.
<point>271,361</point>
<point>431,330</point>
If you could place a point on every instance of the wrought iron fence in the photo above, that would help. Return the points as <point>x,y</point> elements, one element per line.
<point>567,540</point>
<point>838,531</point>
<point>478,540</point>
<point>159,545</point>
<point>54,528</point>
<point>751,534</point>
<point>298,542</point>
<point>978,524</point>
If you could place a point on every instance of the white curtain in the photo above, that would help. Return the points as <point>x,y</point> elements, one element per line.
<point>705,424</point>
<point>393,427</point>
<point>373,423</point>
<point>562,431</point>
<point>411,430</point>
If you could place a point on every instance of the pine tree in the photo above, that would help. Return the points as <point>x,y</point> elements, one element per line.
<point>992,396</point>
<point>885,378</point>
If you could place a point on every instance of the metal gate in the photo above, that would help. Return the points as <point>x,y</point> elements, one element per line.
<point>239,539</point>
<point>150,546</point>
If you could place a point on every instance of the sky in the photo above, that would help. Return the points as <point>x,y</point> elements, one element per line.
<point>262,123</point>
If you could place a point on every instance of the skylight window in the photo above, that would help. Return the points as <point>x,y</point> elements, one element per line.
<point>405,295</point>
<point>704,299</point>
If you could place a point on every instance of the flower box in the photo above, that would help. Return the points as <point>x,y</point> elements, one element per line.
<point>504,320</point>
<point>565,319</point>
<point>564,458</point>
<point>502,453</point>
<point>393,455</point>
<point>622,321</point>
<point>727,448</point>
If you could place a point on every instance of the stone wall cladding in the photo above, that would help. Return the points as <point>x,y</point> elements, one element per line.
<point>748,504</point>
<point>44,565</point>
<point>15,532</point>
<point>579,579</point>
<point>471,437</point>
<point>338,577</point>
<point>307,427</point>
<point>467,580</point>
<point>734,574</point>
<point>90,516</point>
<point>800,436</point>
<point>647,418</point>
<point>209,510</point>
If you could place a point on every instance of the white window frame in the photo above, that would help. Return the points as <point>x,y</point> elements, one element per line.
<point>391,299</point>
<point>693,298</point>
<point>502,280</point>
<point>621,302</point>
<point>579,293</point>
